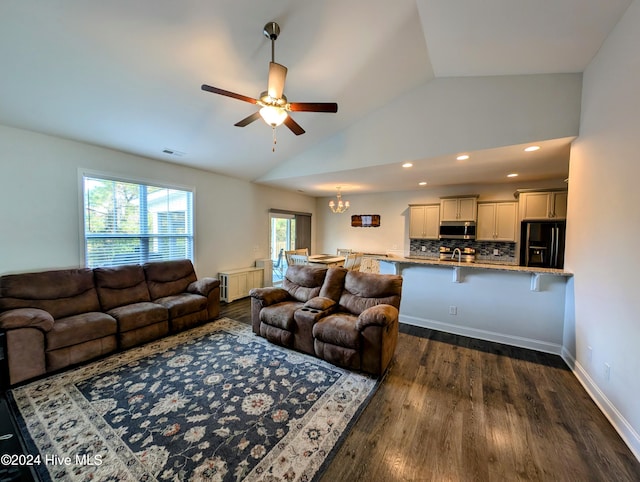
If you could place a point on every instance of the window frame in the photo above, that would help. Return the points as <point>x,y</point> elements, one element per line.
<point>108,176</point>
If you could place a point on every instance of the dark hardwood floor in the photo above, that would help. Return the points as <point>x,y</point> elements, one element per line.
<point>453,408</point>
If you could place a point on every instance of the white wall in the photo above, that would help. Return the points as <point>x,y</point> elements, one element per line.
<point>40,212</point>
<point>489,304</point>
<point>604,228</point>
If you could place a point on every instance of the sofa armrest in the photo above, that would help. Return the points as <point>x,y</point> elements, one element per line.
<point>320,303</point>
<point>203,286</point>
<point>269,296</point>
<point>379,315</point>
<point>26,318</point>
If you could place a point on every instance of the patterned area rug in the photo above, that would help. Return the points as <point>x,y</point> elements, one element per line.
<point>212,403</point>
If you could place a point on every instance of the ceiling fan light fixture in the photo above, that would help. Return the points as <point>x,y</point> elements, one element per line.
<point>272,115</point>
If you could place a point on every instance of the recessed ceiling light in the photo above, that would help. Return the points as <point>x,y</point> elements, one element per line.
<point>407,164</point>
<point>531,148</point>
<point>513,174</point>
<point>462,157</point>
<point>422,183</point>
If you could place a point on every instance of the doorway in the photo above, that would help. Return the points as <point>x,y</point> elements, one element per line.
<point>282,238</point>
<point>288,230</point>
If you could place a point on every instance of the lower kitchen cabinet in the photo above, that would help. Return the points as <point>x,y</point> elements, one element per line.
<point>237,283</point>
<point>497,221</point>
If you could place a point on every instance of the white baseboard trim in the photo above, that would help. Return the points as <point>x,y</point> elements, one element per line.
<point>522,342</point>
<point>617,420</point>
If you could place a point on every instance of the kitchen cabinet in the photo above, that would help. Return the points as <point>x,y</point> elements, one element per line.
<point>543,205</point>
<point>458,209</point>
<point>424,221</point>
<point>497,221</point>
<point>237,283</point>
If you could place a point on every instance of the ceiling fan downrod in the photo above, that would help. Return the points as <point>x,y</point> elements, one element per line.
<point>271,31</point>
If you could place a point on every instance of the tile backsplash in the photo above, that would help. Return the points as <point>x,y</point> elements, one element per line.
<point>484,249</point>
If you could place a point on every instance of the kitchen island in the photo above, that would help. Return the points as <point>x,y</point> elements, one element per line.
<point>505,303</point>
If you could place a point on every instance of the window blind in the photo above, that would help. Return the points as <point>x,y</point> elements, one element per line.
<point>130,223</point>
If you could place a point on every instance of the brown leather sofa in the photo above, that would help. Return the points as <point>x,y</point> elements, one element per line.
<point>347,318</point>
<point>54,319</point>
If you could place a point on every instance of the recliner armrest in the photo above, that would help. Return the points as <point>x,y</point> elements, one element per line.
<point>315,309</point>
<point>26,318</point>
<point>269,295</point>
<point>320,303</point>
<point>379,315</point>
<point>203,286</point>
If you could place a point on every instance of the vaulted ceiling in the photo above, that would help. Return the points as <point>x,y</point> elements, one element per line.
<point>415,80</point>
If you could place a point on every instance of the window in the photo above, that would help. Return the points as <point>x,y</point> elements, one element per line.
<point>130,223</point>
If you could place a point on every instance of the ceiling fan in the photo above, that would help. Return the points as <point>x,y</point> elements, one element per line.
<point>274,106</point>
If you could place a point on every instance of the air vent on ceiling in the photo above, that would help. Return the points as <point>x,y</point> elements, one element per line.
<point>173,152</point>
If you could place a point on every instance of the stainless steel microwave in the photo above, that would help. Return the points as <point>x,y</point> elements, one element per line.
<point>457,230</point>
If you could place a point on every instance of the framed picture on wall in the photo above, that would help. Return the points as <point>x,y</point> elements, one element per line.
<point>365,220</point>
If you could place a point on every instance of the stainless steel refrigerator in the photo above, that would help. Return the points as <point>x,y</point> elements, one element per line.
<point>542,244</point>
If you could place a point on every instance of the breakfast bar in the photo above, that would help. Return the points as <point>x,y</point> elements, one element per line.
<point>516,305</point>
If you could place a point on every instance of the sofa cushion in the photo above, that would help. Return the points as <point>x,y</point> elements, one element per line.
<point>121,285</point>
<point>333,283</point>
<point>168,278</point>
<point>73,330</point>
<point>137,315</point>
<point>338,329</point>
<point>303,282</point>
<point>183,304</point>
<point>280,315</point>
<point>364,290</point>
<point>61,293</point>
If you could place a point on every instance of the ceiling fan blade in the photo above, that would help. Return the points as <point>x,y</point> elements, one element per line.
<point>215,90</point>
<point>293,125</point>
<point>277,76</point>
<point>314,107</point>
<point>248,120</point>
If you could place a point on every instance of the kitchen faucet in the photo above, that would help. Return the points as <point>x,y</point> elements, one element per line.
<point>459,254</point>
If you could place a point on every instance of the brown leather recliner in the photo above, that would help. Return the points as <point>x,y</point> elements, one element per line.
<point>53,319</point>
<point>345,317</point>
<point>273,309</point>
<point>190,301</point>
<point>362,331</point>
<point>123,294</point>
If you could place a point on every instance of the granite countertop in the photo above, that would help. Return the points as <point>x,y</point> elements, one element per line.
<point>423,260</point>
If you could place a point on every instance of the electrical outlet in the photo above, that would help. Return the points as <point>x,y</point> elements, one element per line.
<point>453,310</point>
<point>423,248</point>
<point>607,371</point>
<point>496,252</point>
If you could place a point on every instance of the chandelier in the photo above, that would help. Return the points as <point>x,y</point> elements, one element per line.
<point>340,207</point>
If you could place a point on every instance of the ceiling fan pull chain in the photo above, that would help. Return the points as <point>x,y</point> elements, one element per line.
<point>273,149</point>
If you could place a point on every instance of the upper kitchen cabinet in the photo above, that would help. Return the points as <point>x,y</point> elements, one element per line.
<point>497,221</point>
<point>424,221</point>
<point>543,205</point>
<point>458,208</point>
